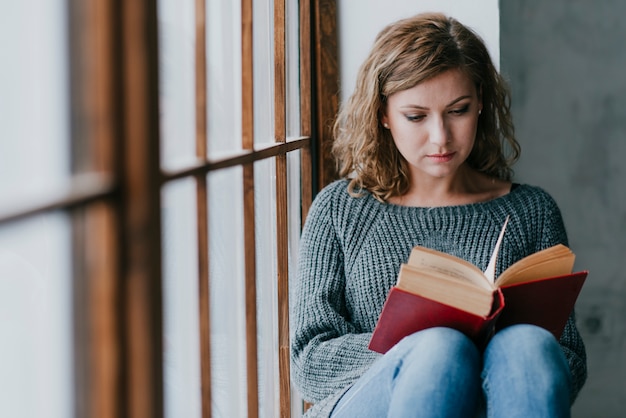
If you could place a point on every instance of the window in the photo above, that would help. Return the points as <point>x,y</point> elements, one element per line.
<point>158,162</point>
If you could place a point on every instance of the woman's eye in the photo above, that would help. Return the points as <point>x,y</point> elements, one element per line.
<point>415,118</point>
<point>460,111</point>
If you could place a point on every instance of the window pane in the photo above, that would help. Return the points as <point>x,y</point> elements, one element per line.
<point>294,219</point>
<point>181,342</point>
<point>224,76</point>
<point>263,29</point>
<point>267,315</point>
<point>226,261</point>
<point>36,370</point>
<point>34,101</point>
<point>293,68</point>
<point>294,208</point>
<point>177,82</point>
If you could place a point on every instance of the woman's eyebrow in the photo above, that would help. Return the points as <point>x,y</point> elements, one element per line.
<point>418,107</point>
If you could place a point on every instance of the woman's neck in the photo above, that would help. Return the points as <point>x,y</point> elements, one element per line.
<point>466,187</point>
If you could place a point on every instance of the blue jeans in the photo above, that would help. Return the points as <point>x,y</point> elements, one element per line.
<point>439,372</point>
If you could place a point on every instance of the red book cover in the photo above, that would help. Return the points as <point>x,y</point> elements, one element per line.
<point>546,302</point>
<point>405,313</point>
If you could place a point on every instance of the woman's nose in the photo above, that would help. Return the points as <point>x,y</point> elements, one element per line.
<point>439,132</point>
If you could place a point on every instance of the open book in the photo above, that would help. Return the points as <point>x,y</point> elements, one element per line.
<point>439,289</point>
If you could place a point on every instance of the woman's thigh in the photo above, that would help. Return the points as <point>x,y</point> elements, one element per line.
<point>419,374</point>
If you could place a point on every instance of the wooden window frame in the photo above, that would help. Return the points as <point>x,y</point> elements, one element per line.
<point>116,209</point>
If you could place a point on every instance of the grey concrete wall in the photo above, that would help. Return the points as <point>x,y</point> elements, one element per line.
<point>566,62</point>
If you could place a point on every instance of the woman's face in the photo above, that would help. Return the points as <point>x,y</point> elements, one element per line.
<point>434,123</point>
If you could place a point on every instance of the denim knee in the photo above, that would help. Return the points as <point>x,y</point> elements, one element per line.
<point>437,375</point>
<point>526,359</point>
<point>528,345</point>
<point>438,342</point>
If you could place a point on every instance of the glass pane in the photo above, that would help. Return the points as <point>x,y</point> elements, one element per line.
<point>267,315</point>
<point>177,82</point>
<point>263,29</point>
<point>223,76</point>
<point>34,100</point>
<point>226,261</point>
<point>293,68</point>
<point>294,208</point>
<point>36,369</point>
<point>294,214</point>
<point>181,342</point>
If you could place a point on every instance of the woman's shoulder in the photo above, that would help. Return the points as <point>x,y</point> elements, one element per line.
<point>532,194</point>
<point>329,196</point>
<point>538,216</point>
<point>338,193</point>
<point>334,189</point>
<point>533,206</point>
<point>338,204</point>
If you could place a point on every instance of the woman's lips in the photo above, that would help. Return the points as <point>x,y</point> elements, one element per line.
<point>441,158</point>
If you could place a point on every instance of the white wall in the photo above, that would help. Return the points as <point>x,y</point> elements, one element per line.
<point>359,22</point>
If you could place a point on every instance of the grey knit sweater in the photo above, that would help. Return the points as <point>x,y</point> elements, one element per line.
<point>350,254</point>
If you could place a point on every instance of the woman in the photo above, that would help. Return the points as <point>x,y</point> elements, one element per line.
<point>425,147</point>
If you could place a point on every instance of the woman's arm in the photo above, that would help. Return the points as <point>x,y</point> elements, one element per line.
<point>571,341</point>
<point>575,353</point>
<point>328,352</point>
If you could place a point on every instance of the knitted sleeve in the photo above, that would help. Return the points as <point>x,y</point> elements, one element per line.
<point>571,342</point>
<point>327,352</point>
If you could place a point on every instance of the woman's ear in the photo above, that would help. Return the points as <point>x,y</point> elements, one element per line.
<point>384,120</point>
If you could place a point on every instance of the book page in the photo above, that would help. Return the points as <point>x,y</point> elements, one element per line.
<point>447,290</point>
<point>490,271</point>
<point>446,265</point>
<point>557,260</point>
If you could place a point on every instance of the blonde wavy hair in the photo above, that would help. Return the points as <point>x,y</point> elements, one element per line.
<point>405,54</point>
